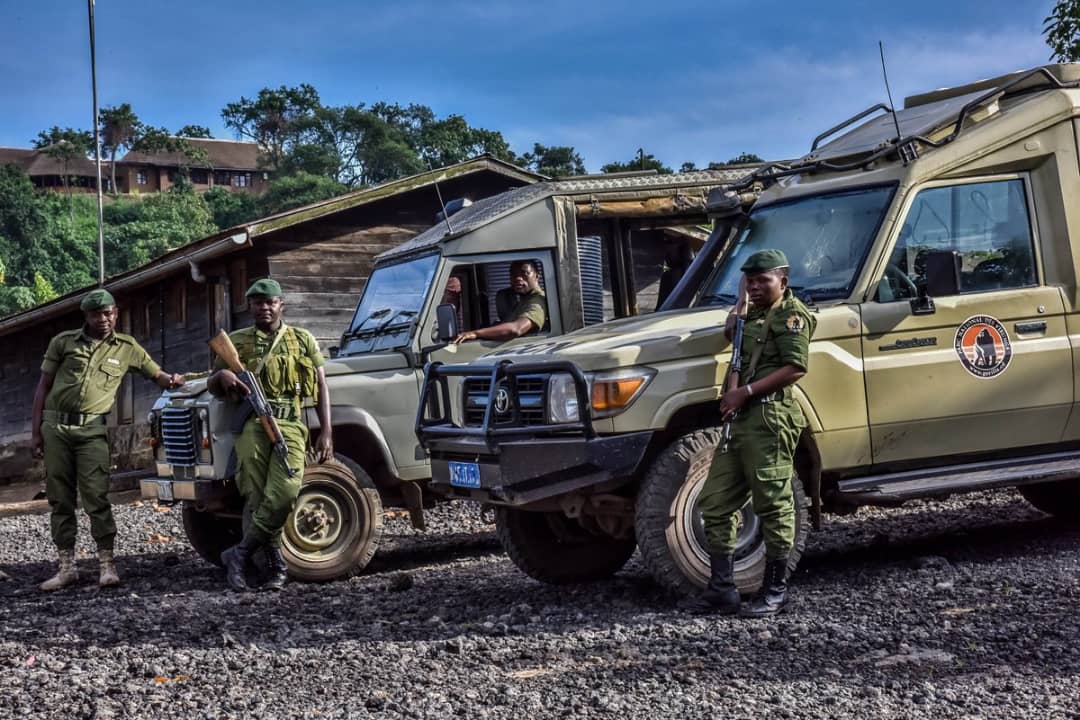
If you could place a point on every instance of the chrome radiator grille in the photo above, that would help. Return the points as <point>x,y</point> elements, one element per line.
<point>178,435</point>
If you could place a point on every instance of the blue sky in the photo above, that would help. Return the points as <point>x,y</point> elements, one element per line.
<point>695,81</point>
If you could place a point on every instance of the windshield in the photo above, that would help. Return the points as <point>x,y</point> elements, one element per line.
<point>825,238</point>
<point>389,307</point>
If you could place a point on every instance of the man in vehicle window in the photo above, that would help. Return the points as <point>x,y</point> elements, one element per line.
<point>289,366</point>
<point>767,422</point>
<point>528,315</point>
<point>80,376</point>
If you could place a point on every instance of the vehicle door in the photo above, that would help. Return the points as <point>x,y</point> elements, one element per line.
<point>989,368</point>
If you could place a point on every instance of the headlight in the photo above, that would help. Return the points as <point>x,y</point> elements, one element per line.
<point>562,399</point>
<point>615,390</point>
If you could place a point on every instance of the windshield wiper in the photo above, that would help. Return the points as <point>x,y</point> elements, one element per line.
<point>359,329</point>
<point>725,298</point>
<point>387,323</point>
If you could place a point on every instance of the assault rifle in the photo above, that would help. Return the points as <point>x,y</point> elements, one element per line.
<point>734,373</point>
<point>256,398</point>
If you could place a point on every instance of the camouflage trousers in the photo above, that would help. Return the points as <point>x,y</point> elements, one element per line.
<point>268,491</point>
<point>756,468</point>
<point>77,465</point>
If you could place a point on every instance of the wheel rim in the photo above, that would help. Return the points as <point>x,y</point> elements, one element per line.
<point>321,523</point>
<point>747,535</point>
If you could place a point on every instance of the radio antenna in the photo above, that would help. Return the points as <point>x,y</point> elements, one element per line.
<point>445,214</point>
<point>885,73</point>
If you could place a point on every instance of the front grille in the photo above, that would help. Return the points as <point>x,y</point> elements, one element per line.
<point>527,398</point>
<point>178,435</point>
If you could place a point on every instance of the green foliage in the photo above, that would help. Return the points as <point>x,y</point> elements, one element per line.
<point>15,299</point>
<point>153,225</point>
<point>292,191</point>
<point>1062,31</point>
<point>553,161</point>
<point>273,118</point>
<point>641,161</point>
<point>194,131</point>
<point>228,208</point>
<point>43,289</point>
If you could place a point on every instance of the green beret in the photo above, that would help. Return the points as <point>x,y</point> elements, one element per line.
<point>764,261</point>
<point>97,299</point>
<point>265,286</point>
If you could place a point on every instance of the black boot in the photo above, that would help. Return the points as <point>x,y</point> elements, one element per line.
<point>235,560</point>
<point>720,596</point>
<point>275,567</point>
<point>772,597</point>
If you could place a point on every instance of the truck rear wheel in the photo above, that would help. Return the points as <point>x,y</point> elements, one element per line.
<point>670,532</point>
<point>336,524</point>
<point>555,549</point>
<point>1060,499</point>
<point>210,534</point>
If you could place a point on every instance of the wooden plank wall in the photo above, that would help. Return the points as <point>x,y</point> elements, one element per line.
<point>323,272</point>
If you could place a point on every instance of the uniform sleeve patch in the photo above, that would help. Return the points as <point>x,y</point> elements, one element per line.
<point>795,323</point>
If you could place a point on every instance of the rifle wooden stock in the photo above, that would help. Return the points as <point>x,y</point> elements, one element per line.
<point>223,347</point>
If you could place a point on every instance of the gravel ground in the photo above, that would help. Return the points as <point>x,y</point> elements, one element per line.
<point>962,609</point>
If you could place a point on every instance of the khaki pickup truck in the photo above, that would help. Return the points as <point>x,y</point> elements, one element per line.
<point>934,244</point>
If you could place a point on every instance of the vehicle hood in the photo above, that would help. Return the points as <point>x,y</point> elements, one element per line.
<point>191,388</point>
<point>644,340</point>
<point>365,363</point>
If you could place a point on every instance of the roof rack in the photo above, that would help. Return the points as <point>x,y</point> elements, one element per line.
<point>906,146</point>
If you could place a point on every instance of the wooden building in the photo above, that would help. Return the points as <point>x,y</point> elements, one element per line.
<point>229,163</point>
<point>321,254</point>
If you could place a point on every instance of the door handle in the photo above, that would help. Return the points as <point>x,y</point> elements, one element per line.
<point>1023,328</point>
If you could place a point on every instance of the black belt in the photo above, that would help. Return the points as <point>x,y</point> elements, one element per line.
<point>65,418</point>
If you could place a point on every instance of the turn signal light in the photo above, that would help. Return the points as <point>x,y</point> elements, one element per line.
<point>205,443</point>
<point>153,442</point>
<point>616,393</point>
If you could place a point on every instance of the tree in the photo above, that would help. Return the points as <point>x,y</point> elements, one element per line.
<point>120,128</point>
<point>1062,31</point>
<point>641,161</point>
<point>740,159</point>
<point>140,229</point>
<point>553,161</point>
<point>65,145</point>
<point>273,118</point>
<point>43,289</point>
<point>194,131</point>
<point>228,208</point>
<point>451,140</point>
<point>290,191</point>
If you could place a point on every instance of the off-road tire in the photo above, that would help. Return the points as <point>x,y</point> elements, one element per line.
<point>346,489</point>
<point>210,534</point>
<point>670,548</point>
<point>555,549</point>
<point>1060,499</point>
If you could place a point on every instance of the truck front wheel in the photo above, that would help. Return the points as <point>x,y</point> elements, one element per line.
<point>670,532</point>
<point>210,534</point>
<point>555,549</point>
<point>336,524</point>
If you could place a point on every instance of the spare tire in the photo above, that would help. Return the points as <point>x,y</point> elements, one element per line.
<point>670,532</point>
<point>555,549</point>
<point>336,524</point>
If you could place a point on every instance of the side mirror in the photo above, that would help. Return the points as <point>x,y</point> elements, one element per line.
<point>333,350</point>
<point>446,322</point>
<point>942,280</point>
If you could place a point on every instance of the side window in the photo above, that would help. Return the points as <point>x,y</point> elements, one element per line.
<point>485,294</point>
<point>987,223</point>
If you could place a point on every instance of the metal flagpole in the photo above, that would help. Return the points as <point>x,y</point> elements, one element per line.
<point>97,152</point>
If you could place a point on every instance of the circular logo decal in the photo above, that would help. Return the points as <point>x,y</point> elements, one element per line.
<point>983,346</point>
<point>502,400</point>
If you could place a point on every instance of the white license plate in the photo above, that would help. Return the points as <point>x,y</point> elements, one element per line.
<point>466,475</point>
<point>165,491</point>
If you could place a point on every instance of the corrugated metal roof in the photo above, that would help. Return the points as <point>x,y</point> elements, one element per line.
<point>489,209</point>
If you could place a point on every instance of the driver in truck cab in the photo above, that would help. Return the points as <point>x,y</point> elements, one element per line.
<point>766,424</point>
<point>528,313</point>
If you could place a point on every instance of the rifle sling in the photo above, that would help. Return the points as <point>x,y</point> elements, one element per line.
<point>277,338</point>
<point>761,343</point>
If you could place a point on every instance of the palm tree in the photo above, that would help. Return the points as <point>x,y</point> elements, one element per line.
<point>119,128</point>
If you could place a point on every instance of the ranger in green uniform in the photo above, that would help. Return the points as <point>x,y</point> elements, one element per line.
<point>529,314</point>
<point>767,422</point>
<point>80,375</point>
<point>289,367</point>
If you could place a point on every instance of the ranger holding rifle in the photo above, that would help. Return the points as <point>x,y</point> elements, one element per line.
<point>762,424</point>
<point>286,362</point>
